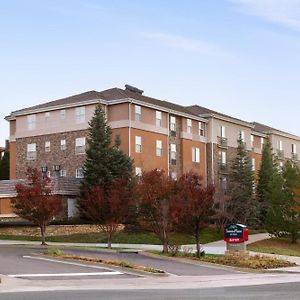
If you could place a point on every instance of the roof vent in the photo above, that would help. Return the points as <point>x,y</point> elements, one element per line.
<point>133,89</point>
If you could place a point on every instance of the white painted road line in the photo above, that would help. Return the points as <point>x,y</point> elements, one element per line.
<point>66,274</point>
<point>69,263</point>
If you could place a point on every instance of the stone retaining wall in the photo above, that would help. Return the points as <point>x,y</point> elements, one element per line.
<point>51,230</point>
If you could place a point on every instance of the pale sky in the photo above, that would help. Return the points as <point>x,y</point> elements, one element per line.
<point>239,57</point>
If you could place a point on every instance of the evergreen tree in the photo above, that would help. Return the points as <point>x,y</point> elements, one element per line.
<point>283,215</point>
<point>4,166</point>
<point>265,176</point>
<point>241,180</point>
<point>104,162</point>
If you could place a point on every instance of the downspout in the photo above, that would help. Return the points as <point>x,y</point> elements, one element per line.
<point>129,129</point>
<point>212,152</point>
<point>168,143</point>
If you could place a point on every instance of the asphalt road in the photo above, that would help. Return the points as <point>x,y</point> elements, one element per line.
<point>170,266</point>
<point>20,262</point>
<point>262,292</point>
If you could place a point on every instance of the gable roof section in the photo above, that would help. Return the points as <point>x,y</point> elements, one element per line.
<point>106,95</point>
<point>206,112</point>
<point>270,130</point>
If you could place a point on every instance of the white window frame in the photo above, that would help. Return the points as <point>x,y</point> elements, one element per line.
<point>222,131</point>
<point>158,118</point>
<point>189,126</point>
<point>223,158</point>
<point>158,148</point>
<point>31,122</point>
<point>62,173</point>
<point>63,144</point>
<point>138,144</point>
<point>80,144</point>
<point>80,114</point>
<point>262,141</point>
<point>195,155</point>
<point>173,150</point>
<point>294,148</point>
<point>138,171</point>
<point>242,135</point>
<point>172,123</point>
<point>79,173</point>
<point>47,146</point>
<point>31,151</point>
<point>253,162</point>
<point>201,128</point>
<point>279,145</point>
<point>138,113</point>
<point>252,140</point>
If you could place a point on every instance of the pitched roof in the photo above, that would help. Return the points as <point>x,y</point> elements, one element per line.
<point>267,129</point>
<point>60,186</point>
<point>107,95</point>
<point>200,110</point>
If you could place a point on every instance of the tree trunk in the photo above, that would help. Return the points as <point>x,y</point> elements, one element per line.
<point>43,229</point>
<point>165,247</point>
<point>197,237</point>
<point>109,239</point>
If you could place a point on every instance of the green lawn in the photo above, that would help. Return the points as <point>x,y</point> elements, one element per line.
<point>122,237</point>
<point>276,246</point>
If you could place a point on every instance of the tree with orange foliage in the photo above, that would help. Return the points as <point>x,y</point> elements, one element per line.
<point>196,202</point>
<point>156,201</point>
<point>106,205</point>
<point>35,201</point>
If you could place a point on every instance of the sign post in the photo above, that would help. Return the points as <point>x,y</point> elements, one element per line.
<point>235,236</point>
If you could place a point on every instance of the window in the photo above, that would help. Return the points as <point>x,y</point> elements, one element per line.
<point>138,113</point>
<point>138,144</point>
<point>158,118</point>
<point>189,126</point>
<point>80,145</point>
<point>63,145</point>
<point>79,173</point>
<point>62,173</point>
<point>48,174</point>
<point>252,140</point>
<point>174,175</point>
<point>280,166</point>
<point>158,148</point>
<point>262,141</point>
<point>222,131</point>
<point>31,122</point>
<point>223,183</point>
<point>253,164</point>
<point>294,148</point>
<point>172,123</point>
<point>201,128</point>
<point>222,157</point>
<point>195,155</point>
<point>80,114</point>
<point>279,145</point>
<point>173,151</point>
<point>138,171</point>
<point>62,114</point>
<point>31,151</point>
<point>242,135</point>
<point>47,146</point>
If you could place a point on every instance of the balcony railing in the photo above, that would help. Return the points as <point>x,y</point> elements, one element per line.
<point>222,142</point>
<point>223,168</point>
<point>294,156</point>
<point>280,154</point>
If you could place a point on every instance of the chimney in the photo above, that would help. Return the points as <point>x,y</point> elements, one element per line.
<point>133,89</point>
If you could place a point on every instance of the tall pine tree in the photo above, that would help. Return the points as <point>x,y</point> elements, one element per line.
<point>266,173</point>
<point>241,180</point>
<point>104,162</point>
<point>283,214</point>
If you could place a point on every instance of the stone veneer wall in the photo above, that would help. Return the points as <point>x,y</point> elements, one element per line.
<point>67,159</point>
